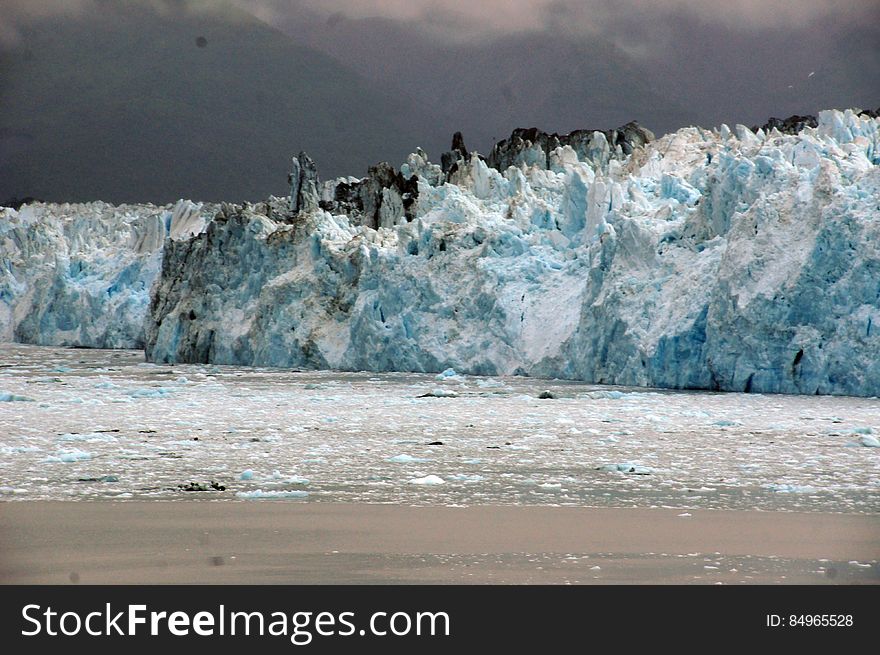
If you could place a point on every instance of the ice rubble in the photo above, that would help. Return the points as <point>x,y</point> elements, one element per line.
<point>723,259</point>
<point>80,274</point>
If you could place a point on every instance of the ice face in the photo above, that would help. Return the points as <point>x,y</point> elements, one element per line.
<point>722,260</point>
<point>80,275</point>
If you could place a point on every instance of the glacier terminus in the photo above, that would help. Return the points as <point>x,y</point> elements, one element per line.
<point>725,259</point>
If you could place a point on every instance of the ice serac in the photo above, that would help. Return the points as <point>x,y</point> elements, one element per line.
<point>80,274</point>
<point>724,259</point>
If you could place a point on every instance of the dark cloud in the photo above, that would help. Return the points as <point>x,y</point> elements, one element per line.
<point>494,16</point>
<point>18,14</point>
<point>456,19</point>
<point>428,69</point>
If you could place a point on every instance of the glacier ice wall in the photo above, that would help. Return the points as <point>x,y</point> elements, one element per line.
<point>80,274</point>
<point>708,259</point>
<point>727,260</point>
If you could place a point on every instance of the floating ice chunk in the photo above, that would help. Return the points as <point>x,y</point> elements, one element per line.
<point>869,441</point>
<point>92,437</point>
<point>407,459</point>
<point>11,398</point>
<point>626,467</point>
<point>439,393</point>
<point>489,383</point>
<point>12,490</point>
<point>154,392</point>
<point>291,479</point>
<point>428,480</point>
<point>103,478</point>
<point>259,494</point>
<point>597,395</point>
<point>463,477</point>
<point>791,488</point>
<point>11,450</point>
<point>246,475</point>
<point>448,374</point>
<point>70,456</point>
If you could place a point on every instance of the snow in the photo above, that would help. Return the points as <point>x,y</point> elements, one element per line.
<point>718,260</point>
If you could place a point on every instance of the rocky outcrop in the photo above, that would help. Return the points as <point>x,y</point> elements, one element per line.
<point>796,123</point>
<point>533,147</point>
<point>791,125</point>
<point>384,198</point>
<point>458,156</point>
<point>304,184</point>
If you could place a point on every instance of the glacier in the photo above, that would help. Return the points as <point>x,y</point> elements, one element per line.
<point>725,259</point>
<point>81,274</point>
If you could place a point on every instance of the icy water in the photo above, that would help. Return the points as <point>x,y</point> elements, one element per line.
<point>97,424</point>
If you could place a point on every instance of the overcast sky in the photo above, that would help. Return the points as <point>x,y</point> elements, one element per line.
<point>427,67</point>
<point>478,17</point>
<point>454,18</point>
<point>509,15</point>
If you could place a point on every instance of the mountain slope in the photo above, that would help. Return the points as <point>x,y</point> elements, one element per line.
<point>665,67</point>
<point>127,106</point>
<point>486,87</point>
